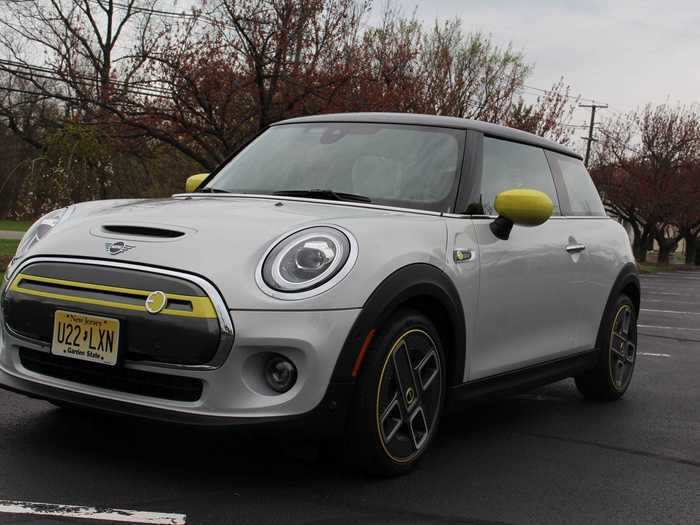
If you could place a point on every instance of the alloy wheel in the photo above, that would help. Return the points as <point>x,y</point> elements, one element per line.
<point>409,395</point>
<point>623,347</point>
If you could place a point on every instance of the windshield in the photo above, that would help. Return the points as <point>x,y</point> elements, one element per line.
<point>395,165</point>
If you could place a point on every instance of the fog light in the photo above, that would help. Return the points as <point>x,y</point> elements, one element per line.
<point>280,373</point>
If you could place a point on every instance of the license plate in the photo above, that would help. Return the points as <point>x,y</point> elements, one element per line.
<point>87,337</point>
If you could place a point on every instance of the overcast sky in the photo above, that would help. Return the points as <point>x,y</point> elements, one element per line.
<point>621,52</point>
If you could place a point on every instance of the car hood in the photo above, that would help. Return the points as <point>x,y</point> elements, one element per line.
<point>221,238</point>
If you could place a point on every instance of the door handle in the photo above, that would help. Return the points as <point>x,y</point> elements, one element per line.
<point>575,248</point>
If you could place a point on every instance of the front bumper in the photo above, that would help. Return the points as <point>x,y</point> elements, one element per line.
<point>233,392</point>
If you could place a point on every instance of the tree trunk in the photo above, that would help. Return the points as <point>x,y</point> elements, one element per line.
<point>697,257</point>
<point>666,248</point>
<point>664,253</point>
<point>640,250</point>
<point>650,241</point>
<point>642,243</point>
<point>691,249</point>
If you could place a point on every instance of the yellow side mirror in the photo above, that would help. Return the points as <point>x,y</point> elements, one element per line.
<point>194,182</point>
<point>524,207</point>
<point>520,206</point>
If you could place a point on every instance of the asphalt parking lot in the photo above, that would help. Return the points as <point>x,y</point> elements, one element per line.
<point>542,457</point>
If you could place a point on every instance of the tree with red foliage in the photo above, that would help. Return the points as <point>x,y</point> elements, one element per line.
<point>646,169</point>
<point>686,213</point>
<point>264,60</point>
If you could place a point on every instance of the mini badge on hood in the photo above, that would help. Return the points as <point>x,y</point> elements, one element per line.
<point>117,247</point>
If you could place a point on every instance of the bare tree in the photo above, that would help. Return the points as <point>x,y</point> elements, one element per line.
<point>83,54</point>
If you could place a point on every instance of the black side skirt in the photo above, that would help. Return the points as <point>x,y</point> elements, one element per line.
<point>525,378</point>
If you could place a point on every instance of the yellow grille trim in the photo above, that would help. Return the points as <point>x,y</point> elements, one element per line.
<point>202,307</point>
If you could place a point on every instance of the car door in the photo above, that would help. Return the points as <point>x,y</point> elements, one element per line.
<point>528,309</point>
<point>593,235</point>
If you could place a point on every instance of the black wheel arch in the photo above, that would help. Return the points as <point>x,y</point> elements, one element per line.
<point>627,282</point>
<point>419,286</point>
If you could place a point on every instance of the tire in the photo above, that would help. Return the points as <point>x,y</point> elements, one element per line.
<point>395,416</point>
<point>617,347</point>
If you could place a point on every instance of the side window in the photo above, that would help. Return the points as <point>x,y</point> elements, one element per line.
<point>581,192</point>
<point>509,165</point>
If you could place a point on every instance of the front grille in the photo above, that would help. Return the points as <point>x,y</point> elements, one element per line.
<point>111,296</point>
<point>185,332</point>
<point>151,384</point>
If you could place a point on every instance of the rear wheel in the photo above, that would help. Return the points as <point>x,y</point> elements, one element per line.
<point>400,396</point>
<point>617,343</point>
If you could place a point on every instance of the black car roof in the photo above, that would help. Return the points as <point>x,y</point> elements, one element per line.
<point>492,130</point>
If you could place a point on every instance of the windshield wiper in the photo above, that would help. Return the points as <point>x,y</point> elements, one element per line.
<point>211,190</point>
<point>324,194</point>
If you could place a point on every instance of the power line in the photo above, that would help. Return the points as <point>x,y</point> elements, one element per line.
<point>619,142</point>
<point>34,71</point>
<point>550,91</point>
<point>148,10</point>
<point>143,87</point>
<point>167,14</point>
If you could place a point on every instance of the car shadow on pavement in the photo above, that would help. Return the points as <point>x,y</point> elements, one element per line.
<point>121,442</point>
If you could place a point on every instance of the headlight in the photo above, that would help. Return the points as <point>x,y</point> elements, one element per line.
<point>38,231</point>
<point>310,259</point>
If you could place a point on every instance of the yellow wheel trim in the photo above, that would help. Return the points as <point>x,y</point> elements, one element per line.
<point>612,333</point>
<point>202,307</point>
<point>379,388</point>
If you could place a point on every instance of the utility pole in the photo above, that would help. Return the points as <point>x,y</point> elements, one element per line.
<point>590,138</point>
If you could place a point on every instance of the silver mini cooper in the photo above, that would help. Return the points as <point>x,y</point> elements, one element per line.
<point>347,276</point>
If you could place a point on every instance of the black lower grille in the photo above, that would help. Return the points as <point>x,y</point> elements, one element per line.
<point>152,384</point>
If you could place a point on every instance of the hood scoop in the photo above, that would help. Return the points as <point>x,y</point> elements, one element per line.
<point>142,231</point>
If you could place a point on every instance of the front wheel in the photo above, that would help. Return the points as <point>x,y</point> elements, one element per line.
<point>400,396</point>
<point>617,344</point>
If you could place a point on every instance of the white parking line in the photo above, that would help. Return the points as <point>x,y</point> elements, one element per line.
<point>669,311</point>
<point>661,285</point>
<point>673,301</point>
<point>90,513</point>
<point>667,327</point>
<point>652,354</point>
<point>671,276</point>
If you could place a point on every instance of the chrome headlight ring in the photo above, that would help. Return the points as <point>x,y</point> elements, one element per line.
<point>306,262</point>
